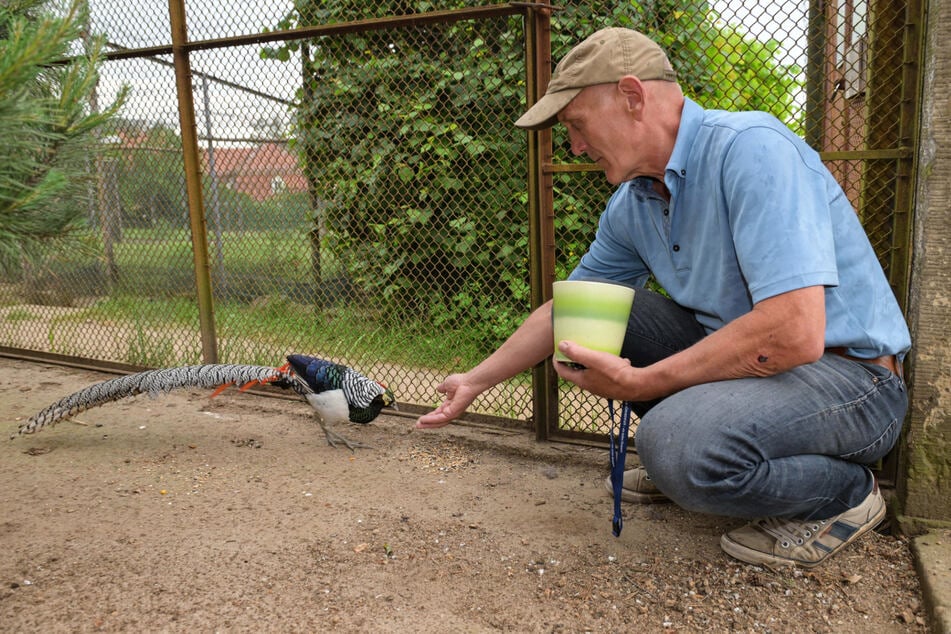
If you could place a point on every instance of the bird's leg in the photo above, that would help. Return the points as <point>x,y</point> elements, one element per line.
<point>333,437</point>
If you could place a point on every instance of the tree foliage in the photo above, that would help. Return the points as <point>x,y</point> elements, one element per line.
<point>46,127</point>
<point>408,144</point>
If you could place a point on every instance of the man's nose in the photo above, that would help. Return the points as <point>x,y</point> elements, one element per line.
<point>578,146</point>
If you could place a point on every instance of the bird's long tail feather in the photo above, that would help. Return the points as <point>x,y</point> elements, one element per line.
<point>159,381</point>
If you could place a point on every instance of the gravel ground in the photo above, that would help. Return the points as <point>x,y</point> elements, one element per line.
<point>184,514</point>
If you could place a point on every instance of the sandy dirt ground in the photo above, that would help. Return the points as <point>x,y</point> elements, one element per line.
<point>185,514</point>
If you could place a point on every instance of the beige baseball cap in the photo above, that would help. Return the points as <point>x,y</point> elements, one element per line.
<point>603,58</point>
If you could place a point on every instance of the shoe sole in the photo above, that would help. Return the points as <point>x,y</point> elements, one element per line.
<point>636,497</point>
<point>755,557</point>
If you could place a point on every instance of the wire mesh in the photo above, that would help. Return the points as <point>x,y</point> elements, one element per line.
<point>364,193</point>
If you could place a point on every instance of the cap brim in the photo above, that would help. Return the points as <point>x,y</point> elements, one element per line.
<point>544,114</point>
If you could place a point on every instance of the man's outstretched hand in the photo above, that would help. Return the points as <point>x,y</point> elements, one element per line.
<point>459,396</point>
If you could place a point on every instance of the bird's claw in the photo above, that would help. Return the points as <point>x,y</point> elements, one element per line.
<point>333,438</point>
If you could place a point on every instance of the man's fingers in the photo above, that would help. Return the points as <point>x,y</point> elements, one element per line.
<point>440,417</point>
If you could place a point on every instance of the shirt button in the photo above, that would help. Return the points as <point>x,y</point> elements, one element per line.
<point>666,212</point>
<point>683,172</point>
<point>676,248</point>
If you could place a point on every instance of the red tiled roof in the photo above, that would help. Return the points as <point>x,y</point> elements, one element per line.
<point>257,171</point>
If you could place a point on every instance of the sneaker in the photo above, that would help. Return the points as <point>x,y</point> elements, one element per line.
<point>638,487</point>
<point>775,541</point>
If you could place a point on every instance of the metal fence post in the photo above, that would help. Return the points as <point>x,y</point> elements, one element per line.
<point>196,210</point>
<point>540,210</point>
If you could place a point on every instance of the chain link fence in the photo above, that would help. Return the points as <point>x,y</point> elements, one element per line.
<point>364,191</point>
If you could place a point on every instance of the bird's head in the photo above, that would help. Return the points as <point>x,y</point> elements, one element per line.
<point>387,397</point>
<point>383,398</point>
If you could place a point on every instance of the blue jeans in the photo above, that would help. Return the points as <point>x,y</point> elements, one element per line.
<point>794,445</point>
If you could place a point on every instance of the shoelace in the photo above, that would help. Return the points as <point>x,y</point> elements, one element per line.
<point>618,456</point>
<point>791,532</point>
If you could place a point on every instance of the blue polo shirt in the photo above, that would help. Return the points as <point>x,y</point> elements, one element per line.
<point>753,213</point>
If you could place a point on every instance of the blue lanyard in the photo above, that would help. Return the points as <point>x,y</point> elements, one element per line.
<point>618,455</point>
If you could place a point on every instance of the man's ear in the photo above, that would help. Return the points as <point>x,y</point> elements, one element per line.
<point>632,90</point>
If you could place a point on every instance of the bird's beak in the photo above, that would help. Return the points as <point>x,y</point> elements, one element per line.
<point>389,399</point>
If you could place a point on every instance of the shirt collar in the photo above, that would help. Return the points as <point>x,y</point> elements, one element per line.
<point>691,119</point>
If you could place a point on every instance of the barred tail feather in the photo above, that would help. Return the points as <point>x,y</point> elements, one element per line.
<point>155,382</point>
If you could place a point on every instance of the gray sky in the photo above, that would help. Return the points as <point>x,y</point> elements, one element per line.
<point>233,113</point>
<point>786,20</point>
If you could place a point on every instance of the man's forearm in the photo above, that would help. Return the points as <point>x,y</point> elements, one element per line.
<point>777,335</point>
<point>529,345</point>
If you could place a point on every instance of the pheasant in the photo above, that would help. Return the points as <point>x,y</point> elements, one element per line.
<point>336,392</point>
<point>339,393</point>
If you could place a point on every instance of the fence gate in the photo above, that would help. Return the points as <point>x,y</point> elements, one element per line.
<point>843,74</point>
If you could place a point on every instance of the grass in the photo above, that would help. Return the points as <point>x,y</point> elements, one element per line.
<point>283,324</point>
<point>146,349</point>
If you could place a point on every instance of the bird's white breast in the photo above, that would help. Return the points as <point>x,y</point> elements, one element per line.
<point>330,405</point>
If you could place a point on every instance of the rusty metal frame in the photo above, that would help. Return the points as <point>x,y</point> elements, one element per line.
<point>196,205</point>
<point>307,32</point>
<point>902,155</point>
<point>541,219</point>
